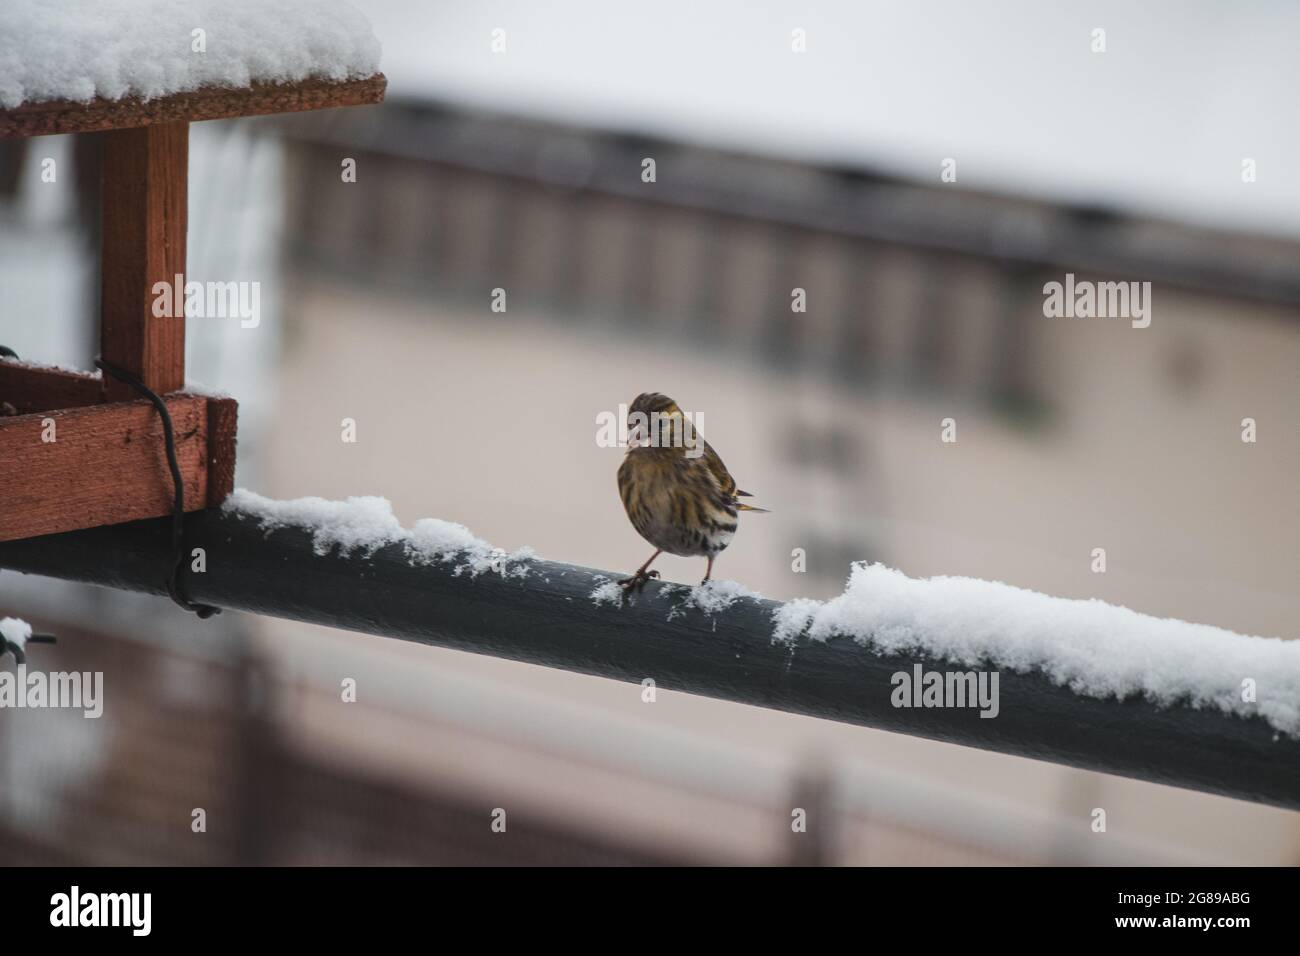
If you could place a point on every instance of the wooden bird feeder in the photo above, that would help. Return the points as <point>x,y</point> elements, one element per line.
<point>107,462</point>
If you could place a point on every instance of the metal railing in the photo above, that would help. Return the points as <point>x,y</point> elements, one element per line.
<point>549,617</point>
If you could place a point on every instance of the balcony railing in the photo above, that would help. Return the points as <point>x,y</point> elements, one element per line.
<point>548,617</point>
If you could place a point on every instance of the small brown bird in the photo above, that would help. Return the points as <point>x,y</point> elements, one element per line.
<point>677,492</point>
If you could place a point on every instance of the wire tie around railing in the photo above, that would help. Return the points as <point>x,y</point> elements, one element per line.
<point>175,586</point>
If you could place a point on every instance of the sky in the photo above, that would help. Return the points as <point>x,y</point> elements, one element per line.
<point>1159,123</point>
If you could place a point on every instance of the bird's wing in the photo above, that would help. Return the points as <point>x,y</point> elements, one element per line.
<point>726,484</point>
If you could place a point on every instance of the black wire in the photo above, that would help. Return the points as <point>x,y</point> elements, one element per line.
<point>17,651</point>
<point>174,585</point>
<point>7,352</point>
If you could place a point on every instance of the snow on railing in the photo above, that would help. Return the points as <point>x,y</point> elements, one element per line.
<point>367,523</point>
<point>1093,648</point>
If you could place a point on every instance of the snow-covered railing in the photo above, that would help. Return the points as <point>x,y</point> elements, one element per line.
<point>1079,683</point>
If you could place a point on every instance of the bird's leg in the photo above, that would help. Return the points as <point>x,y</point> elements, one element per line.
<point>637,581</point>
<point>708,572</point>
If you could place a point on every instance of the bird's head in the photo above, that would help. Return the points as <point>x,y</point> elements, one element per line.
<point>648,402</point>
<point>655,421</point>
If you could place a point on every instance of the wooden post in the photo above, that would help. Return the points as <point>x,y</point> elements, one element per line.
<point>144,218</point>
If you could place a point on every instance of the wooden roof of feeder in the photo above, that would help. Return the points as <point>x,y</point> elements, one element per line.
<point>66,116</point>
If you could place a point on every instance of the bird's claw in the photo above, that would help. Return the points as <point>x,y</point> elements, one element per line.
<point>637,581</point>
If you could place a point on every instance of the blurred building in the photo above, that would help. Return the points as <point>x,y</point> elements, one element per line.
<point>923,302</point>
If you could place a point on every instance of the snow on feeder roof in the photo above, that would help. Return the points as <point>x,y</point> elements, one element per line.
<point>83,65</point>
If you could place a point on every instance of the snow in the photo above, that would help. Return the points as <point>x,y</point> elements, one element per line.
<point>363,523</point>
<point>15,631</point>
<point>367,523</point>
<point>434,540</point>
<point>608,591</point>
<point>80,49</point>
<point>1094,648</point>
<point>198,388</point>
<point>47,367</point>
<point>711,598</point>
<point>717,596</point>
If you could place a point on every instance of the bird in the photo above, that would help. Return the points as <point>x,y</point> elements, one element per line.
<point>676,491</point>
